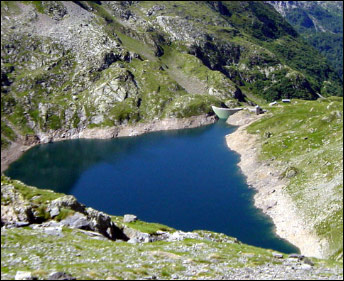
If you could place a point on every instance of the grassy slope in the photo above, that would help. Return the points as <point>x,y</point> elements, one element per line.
<point>118,259</point>
<point>306,139</point>
<point>86,258</point>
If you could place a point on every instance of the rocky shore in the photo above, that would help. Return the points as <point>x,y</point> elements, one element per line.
<point>271,196</point>
<point>16,149</point>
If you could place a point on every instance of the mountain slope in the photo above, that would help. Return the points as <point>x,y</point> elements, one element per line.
<point>321,23</point>
<point>67,66</point>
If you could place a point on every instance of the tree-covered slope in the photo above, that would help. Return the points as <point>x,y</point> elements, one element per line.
<point>320,23</point>
<point>67,66</point>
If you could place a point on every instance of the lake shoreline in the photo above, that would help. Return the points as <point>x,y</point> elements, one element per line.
<point>263,177</point>
<point>16,149</point>
<point>271,196</point>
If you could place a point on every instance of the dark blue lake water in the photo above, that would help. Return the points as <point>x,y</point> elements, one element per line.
<point>187,179</point>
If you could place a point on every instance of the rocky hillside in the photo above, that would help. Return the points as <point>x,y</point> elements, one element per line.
<point>49,236</point>
<point>320,23</point>
<point>67,66</point>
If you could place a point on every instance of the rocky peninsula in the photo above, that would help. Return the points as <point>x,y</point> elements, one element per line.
<point>296,170</point>
<point>270,196</point>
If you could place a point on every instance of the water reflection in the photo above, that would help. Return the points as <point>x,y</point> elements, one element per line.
<point>59,165</point>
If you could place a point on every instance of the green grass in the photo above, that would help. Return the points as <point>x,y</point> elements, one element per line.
<point>193,67</point>
<point>17,118</point>
<point>126,110</point>
<point>40,196</point>
<point>191,105</point>
<point>297,127</point>
<point>39,6</point>
<point>64,213</point>
<point>4,143</point>
<point>11,6</point>
<point>306,139</point>
<point>150,228</point>
<point>7,131</point>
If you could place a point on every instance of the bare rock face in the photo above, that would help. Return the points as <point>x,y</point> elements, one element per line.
<point>87,218</point>
<point>60,276</point>
<point>12,216</point>
<point>119,85</point>
<point>136,236</point>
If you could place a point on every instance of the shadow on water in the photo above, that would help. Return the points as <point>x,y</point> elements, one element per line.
<point>59,165</point>
<point>187,179</point>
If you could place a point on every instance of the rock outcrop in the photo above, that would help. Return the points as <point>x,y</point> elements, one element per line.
<point>16,211</point>
<point>79,240</point>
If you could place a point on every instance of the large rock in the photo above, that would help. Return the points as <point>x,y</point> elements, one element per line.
<point>68,202</point>
<point>103,224</point>
<point>17,214</point>
<point>60,276</point>
<point>136,236</point>
<point>52,230</point>
<point>77,220</point>
<point>24,275</point>
<point>15,209</point>
<point>180,235</point>
<point>54,212</point>
<point>129,218</point>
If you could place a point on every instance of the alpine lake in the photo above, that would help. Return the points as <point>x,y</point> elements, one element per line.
<point>187,179</point>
